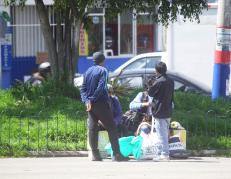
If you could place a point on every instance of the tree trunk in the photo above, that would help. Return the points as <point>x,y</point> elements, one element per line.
<point>48,37</point>
<point>59,44</point>
<point>75,48</point>
<point>68,22</point>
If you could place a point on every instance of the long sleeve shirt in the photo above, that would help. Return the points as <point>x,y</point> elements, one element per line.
<point>94,87</point>
<point>136,103</point>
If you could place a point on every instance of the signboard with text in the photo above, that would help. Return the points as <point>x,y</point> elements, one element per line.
<point>83,42</point>
<point>6,56</point>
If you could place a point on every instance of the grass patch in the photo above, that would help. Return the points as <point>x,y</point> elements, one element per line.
<point>52,117</point>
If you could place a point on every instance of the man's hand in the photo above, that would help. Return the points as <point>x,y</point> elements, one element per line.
<point>146,104</point>
<point>88,106</point>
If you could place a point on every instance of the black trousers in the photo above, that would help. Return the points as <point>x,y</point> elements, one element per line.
<point>101,111</point>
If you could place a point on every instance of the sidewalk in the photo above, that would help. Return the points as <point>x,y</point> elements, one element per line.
<point>83,168</point>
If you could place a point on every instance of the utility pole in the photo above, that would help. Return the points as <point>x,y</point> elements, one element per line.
<point>170,46</point>
<point>221,70</point>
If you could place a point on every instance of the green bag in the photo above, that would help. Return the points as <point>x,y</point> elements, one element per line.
<point>130,145</point>
<point>137,144</point>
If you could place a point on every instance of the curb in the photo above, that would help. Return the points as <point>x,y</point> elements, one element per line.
<point>209,153</point>
<point>193,153</point>
<point>58,153</point>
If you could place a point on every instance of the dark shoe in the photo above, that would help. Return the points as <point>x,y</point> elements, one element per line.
<point>96,156</point>
<point>119,158</point>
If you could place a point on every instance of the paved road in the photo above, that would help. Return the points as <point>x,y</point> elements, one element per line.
<point>82,168</point>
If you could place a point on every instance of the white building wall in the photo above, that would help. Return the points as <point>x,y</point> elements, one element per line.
<point>27,35</point>
<point>194,46</point>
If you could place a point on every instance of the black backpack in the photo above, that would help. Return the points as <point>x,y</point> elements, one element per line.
<point>132,119</point>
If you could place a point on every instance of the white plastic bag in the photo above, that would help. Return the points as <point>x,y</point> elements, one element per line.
<point>150,146</point>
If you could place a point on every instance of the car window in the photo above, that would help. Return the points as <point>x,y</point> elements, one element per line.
<point>138,64</point>
<point>192,89</point>
<point>178,86</point>
<point>152,61</point>
<point>148,62</point>
<point>136,81</point>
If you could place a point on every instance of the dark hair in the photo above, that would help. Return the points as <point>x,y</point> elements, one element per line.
<point>161,68</point>
<point>98,57</point>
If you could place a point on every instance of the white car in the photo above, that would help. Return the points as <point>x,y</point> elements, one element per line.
<point>138,62</point>
<point>143,61</point>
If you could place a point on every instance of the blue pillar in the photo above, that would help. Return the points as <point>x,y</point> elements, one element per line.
<point>6,52</point>
<point>6,58</point>
<point>221,74</point>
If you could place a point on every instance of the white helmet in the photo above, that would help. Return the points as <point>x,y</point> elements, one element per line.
<point>44,65</point>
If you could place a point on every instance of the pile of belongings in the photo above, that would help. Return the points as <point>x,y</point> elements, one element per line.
<point>146,145</point>
<point>177,141</point>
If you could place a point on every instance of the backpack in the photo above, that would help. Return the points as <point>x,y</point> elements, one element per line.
<point>132,119</point>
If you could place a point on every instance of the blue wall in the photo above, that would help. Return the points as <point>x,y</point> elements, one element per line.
<point>110,63</point>
<point>22,66</point>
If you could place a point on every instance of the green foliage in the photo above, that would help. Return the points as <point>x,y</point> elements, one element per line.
<point>208,123</point>
<point>25,92</point>
<point>50,97</point>
<point>127,98</point>
<point>119,89</point>
<point>57,122</point>
<point>61,132</point>
<point>5,16</point>
<point>47,117</point>
<point>206,142</point>
<point>162,10</point>
<point>15,2</point>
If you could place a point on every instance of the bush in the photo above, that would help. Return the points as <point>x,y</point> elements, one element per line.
<point>50,88</point>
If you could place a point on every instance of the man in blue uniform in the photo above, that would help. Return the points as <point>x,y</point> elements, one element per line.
<point>94,94</point>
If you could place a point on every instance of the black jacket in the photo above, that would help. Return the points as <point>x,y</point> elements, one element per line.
<point>162,93</point>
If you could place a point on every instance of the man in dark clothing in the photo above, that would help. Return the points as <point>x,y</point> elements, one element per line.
<point>94,94</point>
<point>162,92</point>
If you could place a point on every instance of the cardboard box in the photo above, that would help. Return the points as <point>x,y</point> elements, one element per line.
<point>41,57</point>
<point>180,134</point>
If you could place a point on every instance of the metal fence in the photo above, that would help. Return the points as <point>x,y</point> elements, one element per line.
<point>210,124</point>
<point>59,132</point>
<point>40,132</point>
<point>208,131</point>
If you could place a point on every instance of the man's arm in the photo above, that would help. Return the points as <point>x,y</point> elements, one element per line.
<point>136,102</point>
<point>102,86</point>
<point>83,93</point>
<point>83,90</point>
